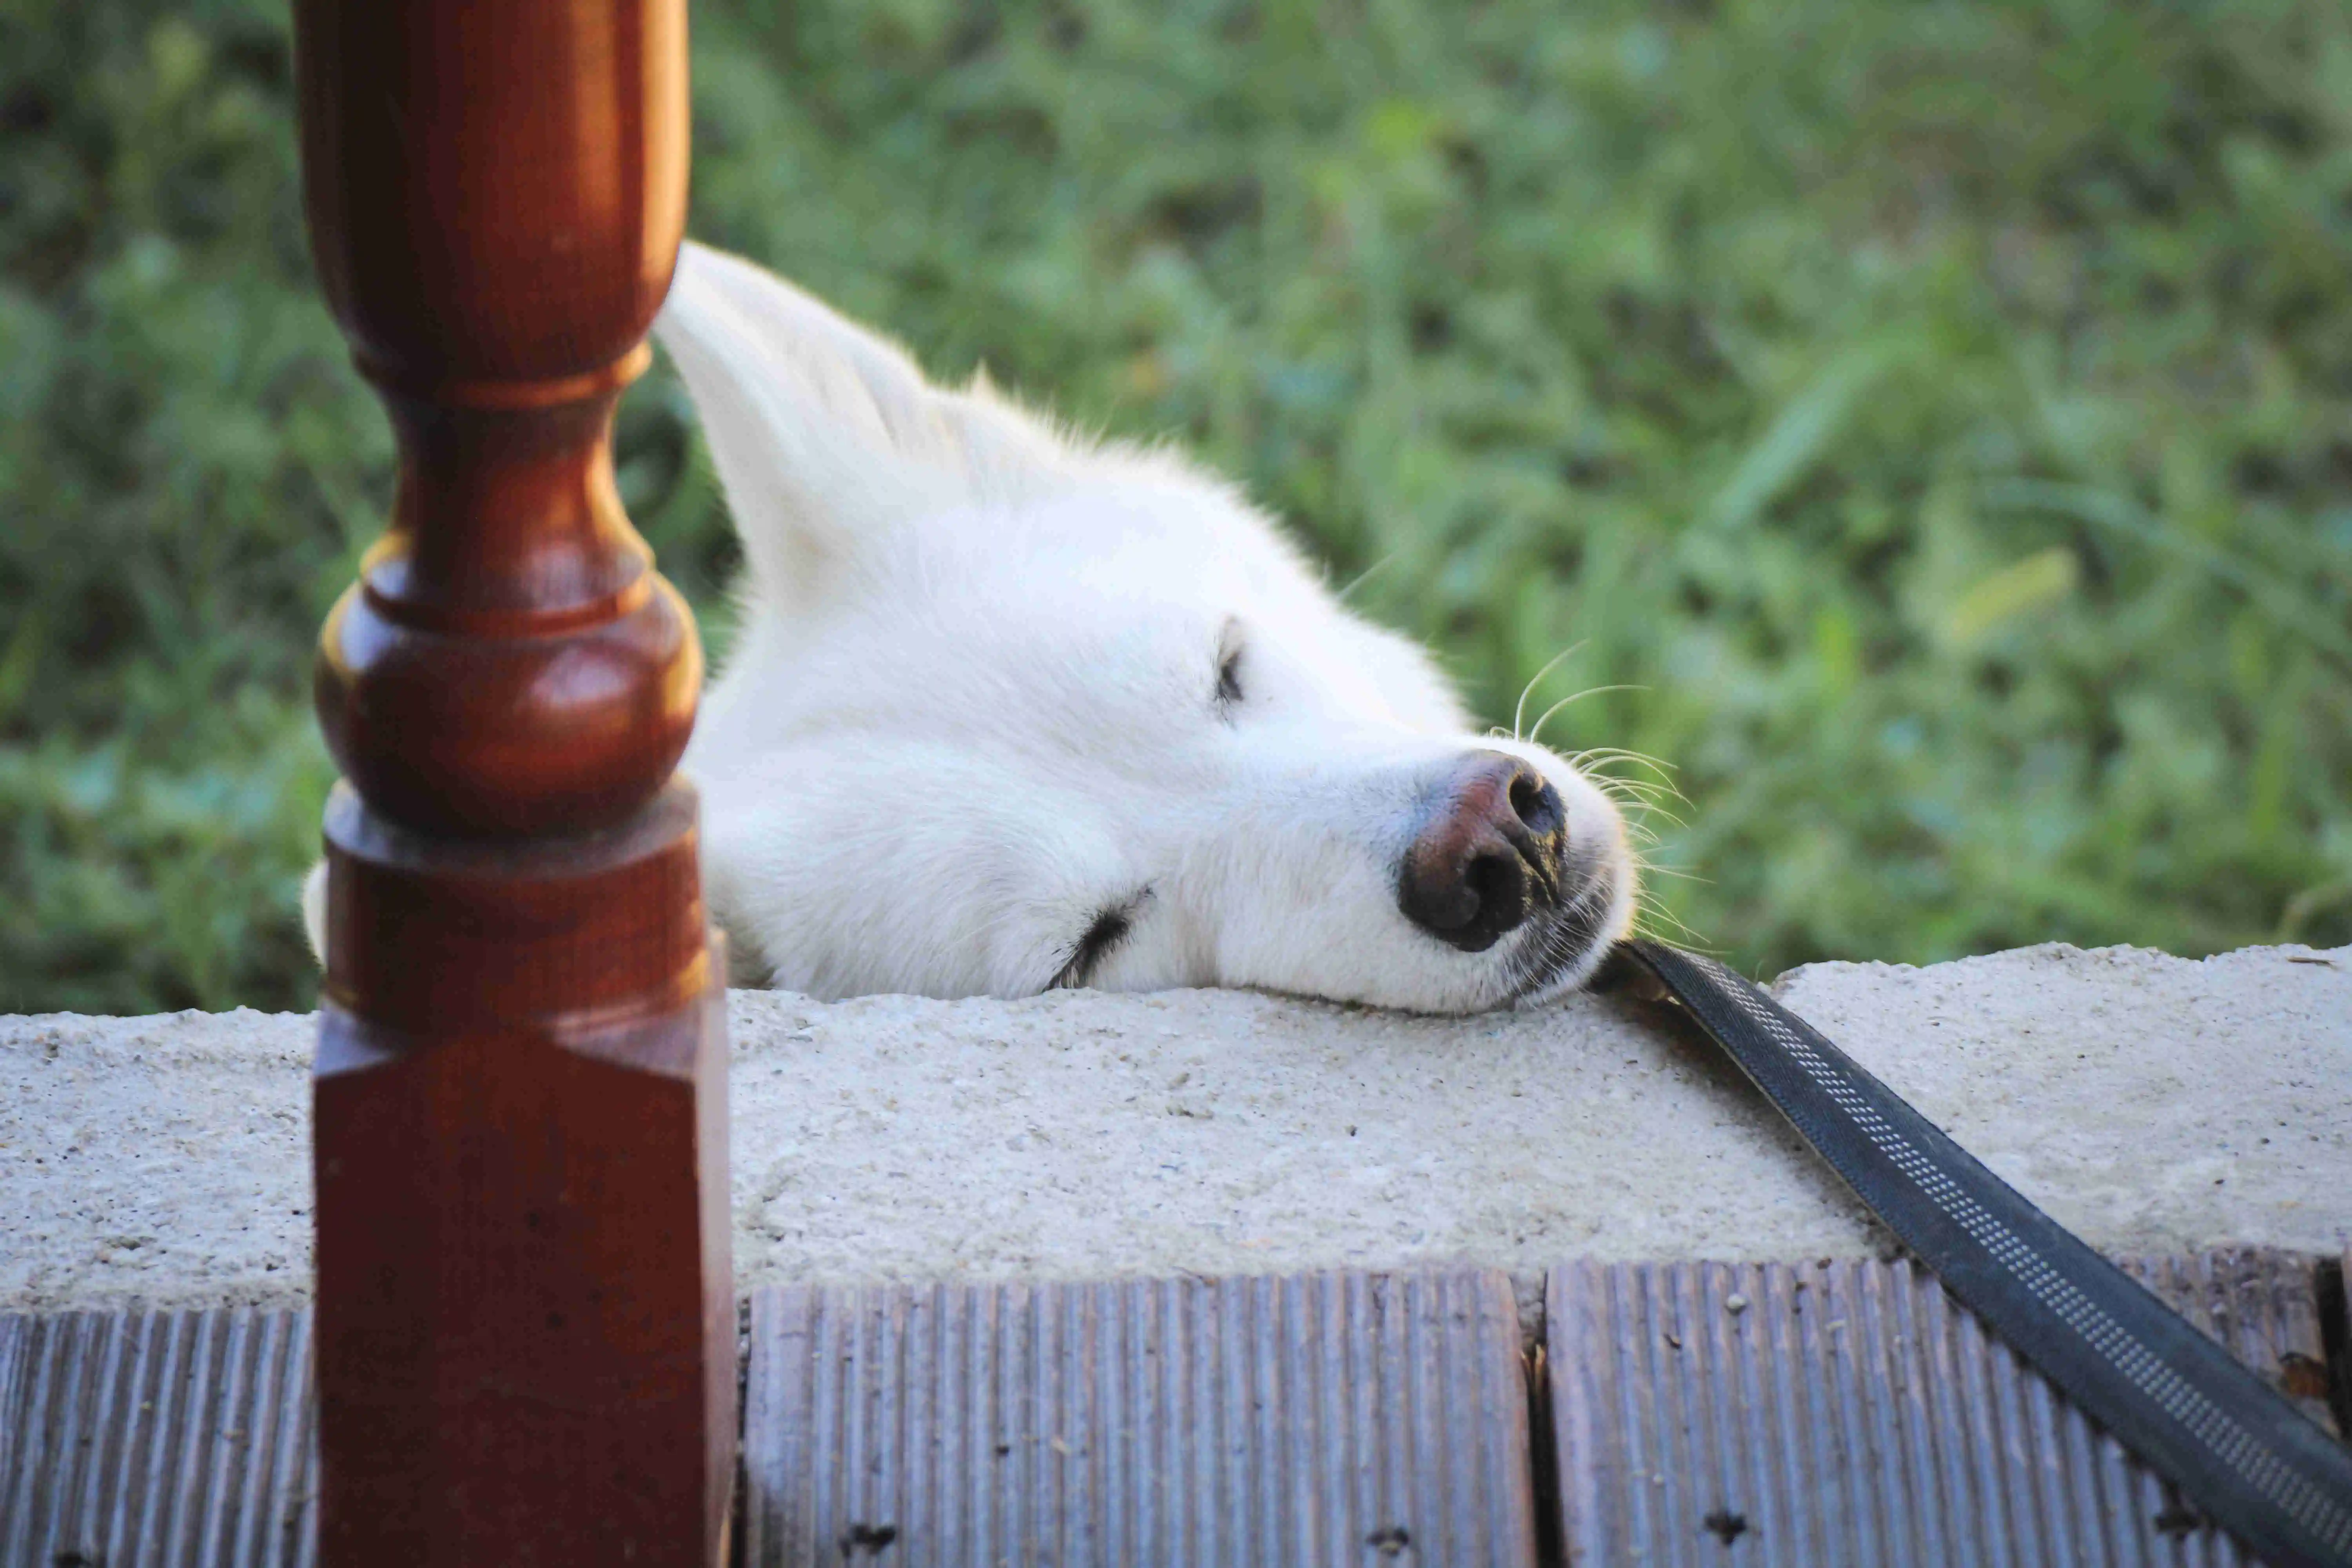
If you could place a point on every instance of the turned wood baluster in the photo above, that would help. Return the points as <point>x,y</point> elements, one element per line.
<point>526,1324</point>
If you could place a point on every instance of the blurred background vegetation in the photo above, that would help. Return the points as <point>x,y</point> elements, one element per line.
<point>1930,423</point>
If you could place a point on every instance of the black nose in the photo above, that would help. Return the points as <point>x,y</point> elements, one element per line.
<point>1488,851</point>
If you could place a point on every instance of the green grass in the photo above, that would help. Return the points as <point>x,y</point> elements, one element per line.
<point>1930,423</point>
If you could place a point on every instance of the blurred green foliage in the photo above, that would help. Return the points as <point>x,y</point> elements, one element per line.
<point>1931,424</point>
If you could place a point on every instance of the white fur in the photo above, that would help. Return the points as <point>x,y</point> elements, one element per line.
<point>974,703</point>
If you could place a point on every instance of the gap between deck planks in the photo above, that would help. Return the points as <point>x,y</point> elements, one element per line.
<point>1840,1413</point>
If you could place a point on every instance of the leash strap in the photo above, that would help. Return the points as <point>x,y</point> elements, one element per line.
<point>2237,1448</point>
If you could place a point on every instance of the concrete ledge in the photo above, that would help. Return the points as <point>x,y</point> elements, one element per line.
<point>2153,1104</point>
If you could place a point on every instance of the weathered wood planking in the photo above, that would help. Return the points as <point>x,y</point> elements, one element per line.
<point>141,1439</point>
<point>1314,1419</point>
<point>1852,1413</point>
<point>1305,1420</point>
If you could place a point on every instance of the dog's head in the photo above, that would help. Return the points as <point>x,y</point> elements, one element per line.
<point>1011,709</point>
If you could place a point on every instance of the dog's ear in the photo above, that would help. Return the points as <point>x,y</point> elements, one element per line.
<point>824,433</point>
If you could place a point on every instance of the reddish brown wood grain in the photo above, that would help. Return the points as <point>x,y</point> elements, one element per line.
<point>526,1326</point>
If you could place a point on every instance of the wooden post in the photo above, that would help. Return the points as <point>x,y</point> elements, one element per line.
<point>526,1322</point>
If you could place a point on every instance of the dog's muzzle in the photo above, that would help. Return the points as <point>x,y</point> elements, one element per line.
<point>1489,855</point>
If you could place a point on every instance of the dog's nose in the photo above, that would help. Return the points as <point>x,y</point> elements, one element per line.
<point>1489,850</point>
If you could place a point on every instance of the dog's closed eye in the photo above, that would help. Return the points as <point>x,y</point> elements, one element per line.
<point>1110,927</point>
<point>1229,672</point>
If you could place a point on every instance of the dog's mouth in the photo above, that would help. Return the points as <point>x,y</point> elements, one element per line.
<point>1565,942</point>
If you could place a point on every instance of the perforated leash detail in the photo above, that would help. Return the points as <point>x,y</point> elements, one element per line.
<point>2234,1445</point>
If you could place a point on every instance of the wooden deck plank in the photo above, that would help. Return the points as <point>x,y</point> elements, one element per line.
<point>1331,1419</point>
<point>1853,1413</point>
<point>157,1438</point>
<point>1379,1421</point>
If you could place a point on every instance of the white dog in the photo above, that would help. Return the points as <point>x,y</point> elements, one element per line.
<point>1012,711</point>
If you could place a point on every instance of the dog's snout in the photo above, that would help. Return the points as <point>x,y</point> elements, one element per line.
<point>1488,852</point>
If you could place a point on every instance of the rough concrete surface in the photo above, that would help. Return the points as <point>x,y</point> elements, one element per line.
<point>2149,1102</point>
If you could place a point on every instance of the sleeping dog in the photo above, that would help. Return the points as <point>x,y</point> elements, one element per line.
<point>1012,710</point>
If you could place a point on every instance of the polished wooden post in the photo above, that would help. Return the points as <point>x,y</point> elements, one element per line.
<point>526,1324</point>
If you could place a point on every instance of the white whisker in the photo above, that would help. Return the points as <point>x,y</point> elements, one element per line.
<point>1535,734</point>
<point>1520,712</point>
<point>1619,753</point>
<point>1366,575</point>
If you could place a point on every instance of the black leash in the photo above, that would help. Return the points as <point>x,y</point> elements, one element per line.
<point>2232,1444</point>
